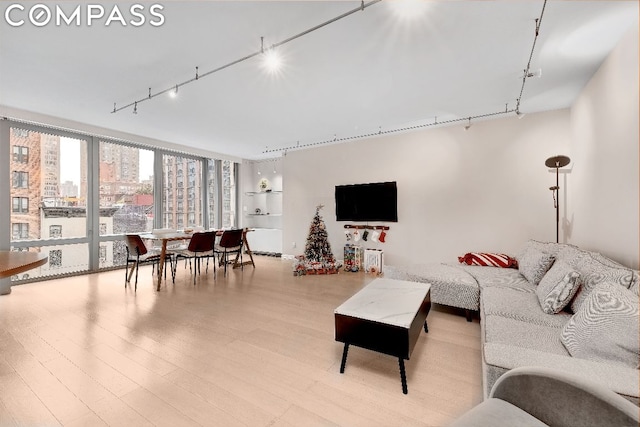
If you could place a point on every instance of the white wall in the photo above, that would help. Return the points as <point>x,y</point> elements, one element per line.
<point>604,124</point>
<point>485,189</point>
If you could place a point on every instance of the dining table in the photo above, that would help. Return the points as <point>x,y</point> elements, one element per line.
<point>171,236</point>
<point>15,262</point>
<point>165,238</point>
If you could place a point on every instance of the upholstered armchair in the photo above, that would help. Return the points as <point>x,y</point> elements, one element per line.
<point>536,396</point>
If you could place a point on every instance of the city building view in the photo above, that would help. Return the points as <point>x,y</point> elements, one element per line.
<point>51,178</point>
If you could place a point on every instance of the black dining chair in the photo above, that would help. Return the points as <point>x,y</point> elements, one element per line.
<point>231,242</point>
<point>200,246</point>
<point>137,253</point>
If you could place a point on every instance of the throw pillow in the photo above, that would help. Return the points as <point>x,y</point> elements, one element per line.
<point>606,326</point>
<point>634,285</point>
<point>557,287</point>
<point>533,264</point>
<point>593,272</point>
<point>487,259</point>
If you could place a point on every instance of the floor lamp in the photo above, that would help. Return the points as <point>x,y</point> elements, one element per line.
<point>557,162</point>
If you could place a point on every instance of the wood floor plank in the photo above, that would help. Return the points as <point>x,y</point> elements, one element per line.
<point>182,399</point>
<point>116,412</point>
<point>253,348</point>
<point>35,345</point>
<point>77,381</point>
<point>102,373</point>
<point>57,398</point>
<point>297,416</point>
<point>19,405</point>
<point>6,419</point>
<point>156,410</point>
<point>241,409</point>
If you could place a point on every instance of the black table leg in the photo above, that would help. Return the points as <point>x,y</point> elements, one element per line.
<point>426,328</point>
<point>344,357</point>
<point>403,375</point>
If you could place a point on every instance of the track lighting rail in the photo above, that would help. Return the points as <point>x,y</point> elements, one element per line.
<point>516,110</point>
<point>436,122</point>
<point>198,76</point>
<point>527,71</point>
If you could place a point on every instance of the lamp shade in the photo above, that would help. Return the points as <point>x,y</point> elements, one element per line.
<point>557,161</point>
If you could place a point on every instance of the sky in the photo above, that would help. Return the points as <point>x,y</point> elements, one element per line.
<point>70,161</point>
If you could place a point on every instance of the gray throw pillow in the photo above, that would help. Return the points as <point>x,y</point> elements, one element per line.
<point>593,272</point>
<point>634,285</point>
<point>533,264</point>
<point>605,328</point>
<point>557,287</point>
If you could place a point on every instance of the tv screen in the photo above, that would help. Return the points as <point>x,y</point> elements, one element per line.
<point>367,202</point>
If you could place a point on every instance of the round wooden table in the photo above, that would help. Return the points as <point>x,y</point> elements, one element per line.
<point>17,262</point>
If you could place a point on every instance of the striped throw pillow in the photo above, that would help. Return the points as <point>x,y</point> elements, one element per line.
<point>487,259</point>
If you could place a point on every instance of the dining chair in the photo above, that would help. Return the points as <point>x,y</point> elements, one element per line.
<point>137,253</point>
<point>200,246</point>
<point>231,242</point>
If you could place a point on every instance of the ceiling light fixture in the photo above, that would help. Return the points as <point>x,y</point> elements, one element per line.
<point>468,125</point>
<point>435,121</point>
<point>536,73</point>
<point>198,76</point>
<point>409,10</point>
<point>174,92</point>
<point>271,61</point>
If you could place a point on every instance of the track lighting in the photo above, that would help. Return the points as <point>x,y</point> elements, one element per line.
<point>272,59</point>
<point>409,10</point>
<point>468,125</point>
<point>535,73</point>
<point>135,107</point>
<point>520,115</point>
<point>174,92</point>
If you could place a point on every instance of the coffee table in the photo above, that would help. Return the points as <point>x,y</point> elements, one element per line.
<point>385,316</point>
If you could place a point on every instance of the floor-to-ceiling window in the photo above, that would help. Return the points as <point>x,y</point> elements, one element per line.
<point>183,192</point>
<point>229,194</point>
<point>48,209</point>
<point>125,197</point>
<point>73,196</point>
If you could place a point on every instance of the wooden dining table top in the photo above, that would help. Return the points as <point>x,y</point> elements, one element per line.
<point>12,262</point>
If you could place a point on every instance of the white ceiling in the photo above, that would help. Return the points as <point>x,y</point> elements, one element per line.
<point>370,71</point>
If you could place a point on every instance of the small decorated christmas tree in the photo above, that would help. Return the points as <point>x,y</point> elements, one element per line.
<point>317,258</point>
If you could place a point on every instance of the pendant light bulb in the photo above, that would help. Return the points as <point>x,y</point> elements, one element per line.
<point>272,61</point>
<point>174,92</point>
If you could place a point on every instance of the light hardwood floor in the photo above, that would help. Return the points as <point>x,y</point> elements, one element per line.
<point>255,348</point>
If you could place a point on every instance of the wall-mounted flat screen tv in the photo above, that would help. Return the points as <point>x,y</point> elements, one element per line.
<point>367,202</point>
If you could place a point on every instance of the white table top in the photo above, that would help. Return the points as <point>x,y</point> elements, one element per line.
<point>389,301</point>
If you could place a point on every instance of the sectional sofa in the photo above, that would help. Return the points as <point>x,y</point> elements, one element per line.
<point>562,308</point>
